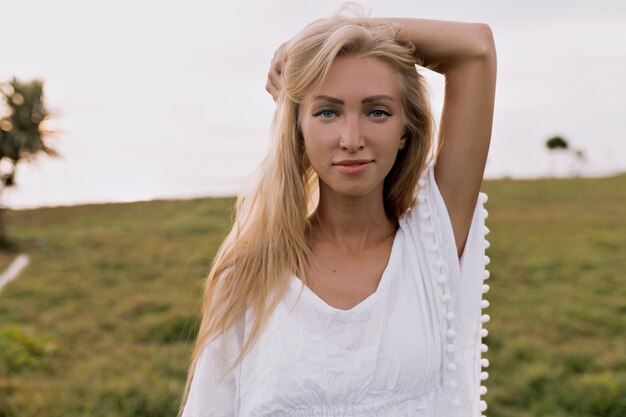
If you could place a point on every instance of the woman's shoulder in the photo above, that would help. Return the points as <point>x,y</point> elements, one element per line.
<point>429,212</point>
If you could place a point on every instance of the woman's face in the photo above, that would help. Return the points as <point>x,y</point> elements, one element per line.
<point>353,126</point>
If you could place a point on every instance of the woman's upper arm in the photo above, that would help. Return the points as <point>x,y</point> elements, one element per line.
<point>465,131</point>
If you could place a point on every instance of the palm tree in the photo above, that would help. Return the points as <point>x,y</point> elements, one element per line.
<point>22,136</point>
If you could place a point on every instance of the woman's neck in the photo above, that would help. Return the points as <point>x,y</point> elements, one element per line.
<point>351,223</point>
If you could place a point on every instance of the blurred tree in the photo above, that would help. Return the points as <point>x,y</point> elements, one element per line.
<point>559,146</point>
<point>556,142</point>
<point>580,159</point>
<point>22,136</point>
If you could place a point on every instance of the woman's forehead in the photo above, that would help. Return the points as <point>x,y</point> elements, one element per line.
<point>354,78</point>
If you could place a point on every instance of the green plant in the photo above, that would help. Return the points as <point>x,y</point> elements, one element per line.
<point>22,348</point>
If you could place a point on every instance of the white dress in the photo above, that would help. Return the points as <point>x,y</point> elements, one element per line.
<point>413,348</point>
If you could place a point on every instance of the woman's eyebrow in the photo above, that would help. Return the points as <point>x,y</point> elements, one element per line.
<point>365,100</point>
<point>328,98</point>
<point>377,98</point>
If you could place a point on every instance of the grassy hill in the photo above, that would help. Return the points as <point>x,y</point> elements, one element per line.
<point>101,322</point>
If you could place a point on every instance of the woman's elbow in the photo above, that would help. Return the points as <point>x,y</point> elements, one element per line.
<point>485,46</point>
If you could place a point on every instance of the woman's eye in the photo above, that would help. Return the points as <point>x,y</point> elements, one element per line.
<point>379,114</point>
<point>325,114</point>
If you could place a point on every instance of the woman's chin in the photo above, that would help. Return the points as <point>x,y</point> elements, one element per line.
<point>352,190</point>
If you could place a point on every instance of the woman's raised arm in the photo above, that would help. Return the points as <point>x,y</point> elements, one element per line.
<point>465,54</point>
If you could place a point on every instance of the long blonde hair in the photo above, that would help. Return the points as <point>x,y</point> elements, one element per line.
<point>267,244</point>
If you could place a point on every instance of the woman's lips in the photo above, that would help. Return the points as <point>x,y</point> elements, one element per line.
<point>352,167</point>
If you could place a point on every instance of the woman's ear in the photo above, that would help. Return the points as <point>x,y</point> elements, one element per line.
<point>300,138</point>
<point>403,140</point>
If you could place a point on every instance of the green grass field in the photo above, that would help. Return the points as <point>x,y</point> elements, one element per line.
<point>5,260</point>
<point>101,322</point>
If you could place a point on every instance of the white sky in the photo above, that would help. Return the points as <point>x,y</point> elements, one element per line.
<point>166,99</point>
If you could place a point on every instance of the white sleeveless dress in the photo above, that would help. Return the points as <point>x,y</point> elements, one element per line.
<point>413,348</point>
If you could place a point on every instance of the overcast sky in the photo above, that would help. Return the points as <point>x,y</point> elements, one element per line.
<point>166,99</point>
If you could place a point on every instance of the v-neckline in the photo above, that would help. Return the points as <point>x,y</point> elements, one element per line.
<point>311,297</point>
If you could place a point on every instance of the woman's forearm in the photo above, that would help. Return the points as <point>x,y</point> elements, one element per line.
<point>443,45</point>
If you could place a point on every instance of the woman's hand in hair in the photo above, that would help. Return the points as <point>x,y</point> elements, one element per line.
<point>274,77</point>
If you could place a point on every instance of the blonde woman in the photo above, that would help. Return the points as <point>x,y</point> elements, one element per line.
<point>351,283</point>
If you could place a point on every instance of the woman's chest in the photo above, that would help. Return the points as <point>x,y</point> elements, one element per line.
<point>311,356</point>
<point>343,279</point>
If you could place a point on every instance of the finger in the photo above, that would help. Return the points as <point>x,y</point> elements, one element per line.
<point>270,82</point>
<point>272,89</point>
<point>275,79</point>
<point>277,67</point>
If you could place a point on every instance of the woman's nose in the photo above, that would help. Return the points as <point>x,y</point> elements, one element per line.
<point>351,138</point>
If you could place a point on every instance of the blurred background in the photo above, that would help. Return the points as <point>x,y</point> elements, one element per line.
<point>160,113</point>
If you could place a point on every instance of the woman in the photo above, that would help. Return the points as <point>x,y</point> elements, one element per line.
<point>339,292</point>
